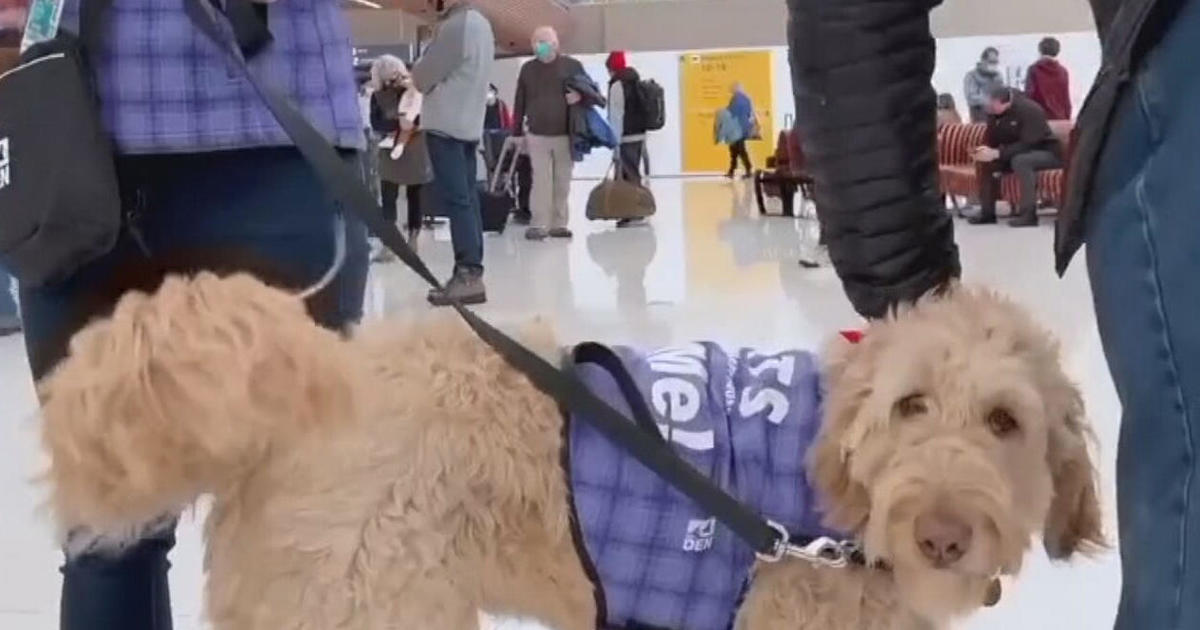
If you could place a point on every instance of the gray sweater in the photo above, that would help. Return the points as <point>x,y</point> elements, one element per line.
<point>453,75</point>
<point>542,96</point>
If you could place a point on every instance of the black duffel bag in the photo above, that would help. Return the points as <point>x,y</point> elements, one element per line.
<point>60,205</point>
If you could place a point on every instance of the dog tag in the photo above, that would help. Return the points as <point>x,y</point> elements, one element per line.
<point>993,593</point>
<point>42,25</point>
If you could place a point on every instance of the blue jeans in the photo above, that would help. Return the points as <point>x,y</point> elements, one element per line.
<point>457,194</point>
<point>1143,254</point>
<point>258,210</point>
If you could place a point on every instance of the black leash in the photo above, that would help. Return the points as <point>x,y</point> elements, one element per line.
<point>769,540</point>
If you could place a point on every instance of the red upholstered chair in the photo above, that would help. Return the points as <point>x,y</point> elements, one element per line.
<point>785,174</point>
<point>958,175</point>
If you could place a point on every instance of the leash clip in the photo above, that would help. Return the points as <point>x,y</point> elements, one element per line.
<point>822,551</point>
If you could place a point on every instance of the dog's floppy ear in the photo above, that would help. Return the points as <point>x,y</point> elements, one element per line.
<point>1074,522</point>
<point>847,385</point>
<point>177,393</point>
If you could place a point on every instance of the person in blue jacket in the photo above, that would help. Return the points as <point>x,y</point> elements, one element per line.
<point>742,109</point>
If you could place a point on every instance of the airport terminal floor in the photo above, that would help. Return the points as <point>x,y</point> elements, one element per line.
<point>707,266</point>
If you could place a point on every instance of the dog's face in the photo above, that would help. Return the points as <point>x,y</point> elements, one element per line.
<point>951,437</point>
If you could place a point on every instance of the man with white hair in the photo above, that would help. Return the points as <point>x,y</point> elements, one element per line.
<point>453,75</point>
<point>541,106</point>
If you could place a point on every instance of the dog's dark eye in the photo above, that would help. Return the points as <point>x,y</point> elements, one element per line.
<point>911,405</point>
<point>1002,423</point>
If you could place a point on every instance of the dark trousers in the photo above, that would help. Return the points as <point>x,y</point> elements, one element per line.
<point>1143,257</point>
<point>457,195</point>
<point>737,150</point>
<point>1025,166</point>
<point>629,161</point>
<point>260,211</point>
<point>390,195</point>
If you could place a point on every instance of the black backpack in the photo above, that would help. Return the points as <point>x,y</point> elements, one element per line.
<point>653,103</point>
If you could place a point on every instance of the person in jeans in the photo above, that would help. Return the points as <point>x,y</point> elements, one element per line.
<point>742,109</point>
<point>1018,140</point>
<point>1048,83</point>
<point>453,74</point>
<point>541,105</point>
<point>10,317</point>
<point>1131,197</point>
<point>209,181</point>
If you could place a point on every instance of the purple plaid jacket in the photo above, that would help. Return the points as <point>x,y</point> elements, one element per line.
<point>745,420</point>
<point>164,88</point>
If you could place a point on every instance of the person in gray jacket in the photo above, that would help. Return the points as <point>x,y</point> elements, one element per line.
<point>453,75</point>
<point>979,83</point>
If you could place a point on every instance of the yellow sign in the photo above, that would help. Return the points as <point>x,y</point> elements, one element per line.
<point>706,79</point>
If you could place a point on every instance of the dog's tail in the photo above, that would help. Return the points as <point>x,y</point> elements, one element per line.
<point>180,393</point>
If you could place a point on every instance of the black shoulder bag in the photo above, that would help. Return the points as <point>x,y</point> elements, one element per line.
<point>60,206</point>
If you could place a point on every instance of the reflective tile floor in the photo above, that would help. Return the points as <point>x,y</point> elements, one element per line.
<point>706,267</point>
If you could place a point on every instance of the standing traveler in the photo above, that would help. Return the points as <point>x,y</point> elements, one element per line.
<point>742,110</point>
<point>626,115</point>
<point>541,104</point>
<point>980,81</point>
<point>209,181</point>
<point>1048,83</point>
<point>453,76</point>
<point>402,156</point>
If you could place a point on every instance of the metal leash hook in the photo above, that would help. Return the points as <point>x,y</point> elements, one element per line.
<point>822,551</point>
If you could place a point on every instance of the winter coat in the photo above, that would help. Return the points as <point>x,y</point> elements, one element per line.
<point>1049,84</point>
<point>977,86</point>
<point>586,126</point>
<point>625,110</point>
<point>743,112</point>
<point>1021,129</point>
<point>726,129</point>
<point>388,105</point>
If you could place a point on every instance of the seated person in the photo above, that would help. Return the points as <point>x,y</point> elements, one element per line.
<point>1019,141</point>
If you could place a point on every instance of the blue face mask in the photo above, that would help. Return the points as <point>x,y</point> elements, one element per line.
<point>543,50</point>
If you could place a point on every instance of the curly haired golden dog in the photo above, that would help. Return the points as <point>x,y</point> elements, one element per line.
<point>407,477</point>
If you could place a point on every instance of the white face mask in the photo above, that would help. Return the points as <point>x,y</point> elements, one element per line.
<point>491,98</point>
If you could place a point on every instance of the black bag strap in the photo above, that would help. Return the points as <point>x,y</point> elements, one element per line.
<point>604,357</point>
<point>344,184</point>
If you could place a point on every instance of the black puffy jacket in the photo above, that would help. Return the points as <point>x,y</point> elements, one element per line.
<point>864,104</point>
<point>866,110</point>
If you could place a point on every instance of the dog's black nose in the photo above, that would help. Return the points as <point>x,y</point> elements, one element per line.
<point>943,538</point>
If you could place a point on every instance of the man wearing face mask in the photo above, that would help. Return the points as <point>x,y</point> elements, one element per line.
<point>541,105</point>
<point>981,81</point>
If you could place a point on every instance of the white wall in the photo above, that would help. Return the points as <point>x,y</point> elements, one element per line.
<point>956,56</point>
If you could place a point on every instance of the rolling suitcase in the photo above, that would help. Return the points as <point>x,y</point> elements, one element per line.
<point>496,198</point>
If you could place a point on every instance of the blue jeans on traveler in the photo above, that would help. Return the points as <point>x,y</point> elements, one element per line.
<point>1143,254</point>
<point>457,194</point>
<point>259,210</point>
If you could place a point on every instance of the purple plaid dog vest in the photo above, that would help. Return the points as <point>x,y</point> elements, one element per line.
<point>743,418</point>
